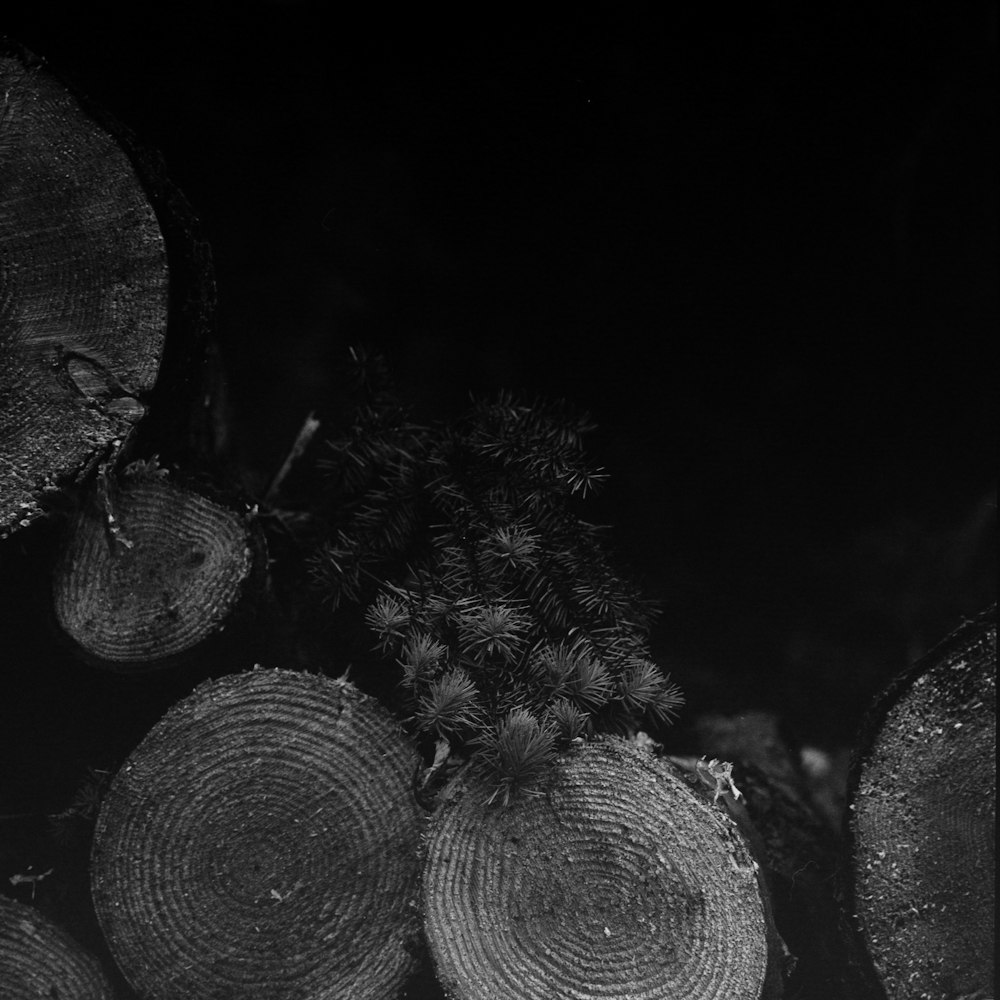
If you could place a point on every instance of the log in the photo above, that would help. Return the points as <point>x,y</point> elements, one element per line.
<point>619,881</point>
<point>262,842</point>
<point>923,813</point>
<point>152,570</point>
<point>39,959</point>
<point>83,290</point>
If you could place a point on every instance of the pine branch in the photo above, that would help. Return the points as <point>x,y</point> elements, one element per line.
<point>500,606</point>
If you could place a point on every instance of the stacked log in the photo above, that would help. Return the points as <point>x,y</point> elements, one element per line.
<point>39,959</point>
<point>83,290</point>
<point>263,841</point>
<point>923,822</point>
<point>619,880</point>
<point>151,570</point>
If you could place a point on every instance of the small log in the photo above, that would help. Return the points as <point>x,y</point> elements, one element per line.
<point>262,842</point>
<point>83,289</point>
<point>39,959</point>
<point>619,881</point>
<point>923,803</point>
<point>151,570</point>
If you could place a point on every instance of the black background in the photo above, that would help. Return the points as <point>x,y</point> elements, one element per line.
<point>759,249</point>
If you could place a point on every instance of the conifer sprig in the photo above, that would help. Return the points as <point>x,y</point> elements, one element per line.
<point>498,603</point>
<point>448,705</point>
<point>516,754</point>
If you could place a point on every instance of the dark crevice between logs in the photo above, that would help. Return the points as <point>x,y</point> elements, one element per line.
<point>802,855</point>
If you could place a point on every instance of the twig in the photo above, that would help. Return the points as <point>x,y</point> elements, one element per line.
<point>305,435</point>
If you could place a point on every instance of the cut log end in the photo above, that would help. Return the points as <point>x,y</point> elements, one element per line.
<point>262,842</point>
<point>923,825</point>
<point>619,880</point>
<point>39,959</point>
<point>152,573</point>
<point>83,289</point>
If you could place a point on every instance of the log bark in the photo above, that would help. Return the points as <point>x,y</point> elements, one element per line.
<point>152,570</point>
<point>83,289</point>
<point>39,959</point>
<point>620,881</point>
<point>263,842</point>
<point>923,806</point>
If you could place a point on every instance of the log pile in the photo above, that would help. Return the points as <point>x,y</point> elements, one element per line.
<point>265,837</point>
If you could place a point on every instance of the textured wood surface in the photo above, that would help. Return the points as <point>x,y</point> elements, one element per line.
<point>83,289</point>
<point>40,960</point>
<point>923,822</point>
<point>165,575</point>
<point>263,842</point>
<point>618,881</point>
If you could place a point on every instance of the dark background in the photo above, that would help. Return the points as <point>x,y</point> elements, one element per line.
<point>759,249</point>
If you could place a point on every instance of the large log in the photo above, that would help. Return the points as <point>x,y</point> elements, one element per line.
<point>83,289</point>
<point>618,881</point>
<point>923,803</point>
<point>263,842</point>
<point>40,960</point>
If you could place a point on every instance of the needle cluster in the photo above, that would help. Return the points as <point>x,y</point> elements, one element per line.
<point>512,630</point>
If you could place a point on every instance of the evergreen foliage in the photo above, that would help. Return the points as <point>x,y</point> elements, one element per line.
<point>513,632</point>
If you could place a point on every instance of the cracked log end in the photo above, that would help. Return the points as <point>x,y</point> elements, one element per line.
<point>924,813</point>
<point>39,959</point>
<point>262,842</point>
<point>83,289</point>
<point>619,880</point>
<point>162,578</point>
